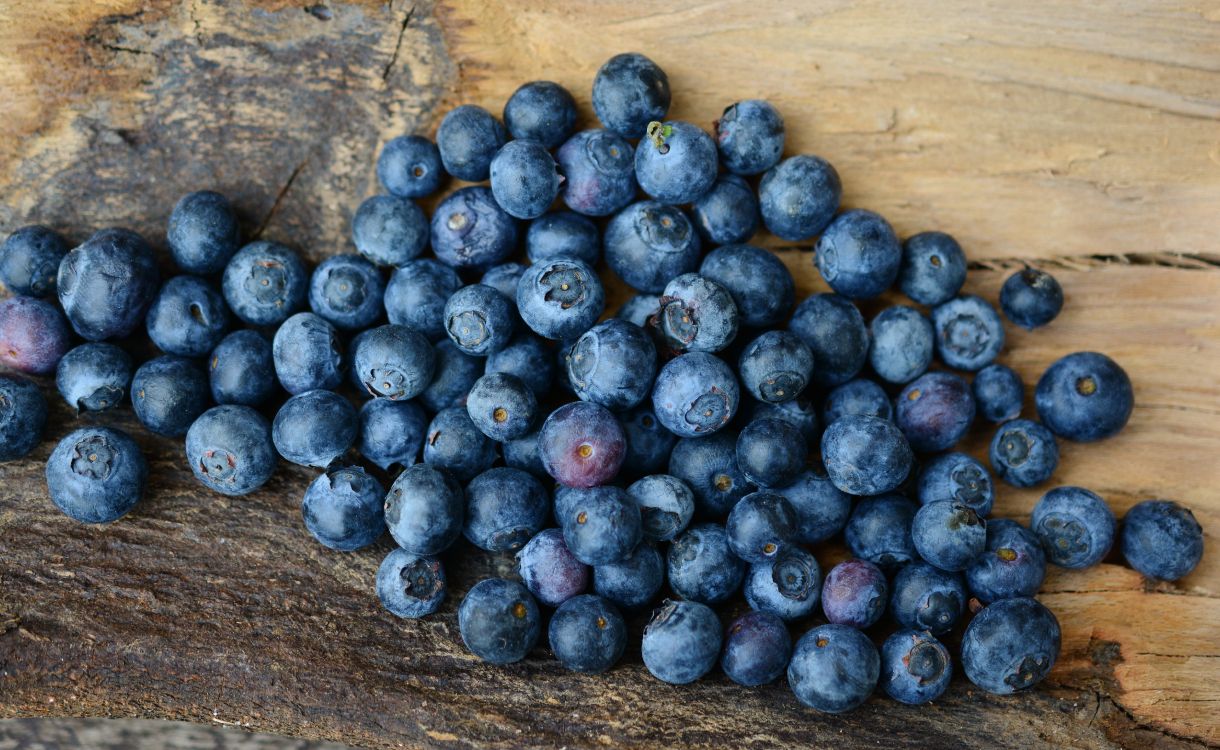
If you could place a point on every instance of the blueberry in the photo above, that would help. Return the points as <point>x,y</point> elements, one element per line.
<point>613,364</point>
<point>96,475</point>
<point>505,507</point>
<point>695,394</point>
<point>479,320</point>
<point>969,333</point>
<point>29,261</point>
<point>834,668</point>
<point>702,566</point>
<point>948,534</point>
<point>33,335</point>
<point>933,268</point>
<point>187,317</point>
<point>424,510</point>
<point>347,291</point>
<point>391,432</point>
<point>866,455</point>
<point>587,634</point>
<point>23,416</point>
<point>666,505</point>
<point>957,477</point>
<point>314,428</point>
<point>750,137</point>
<point>601,525</point>
<point>560,299</point>
<point>542,111</point>
<point>799,411</point>
<point>527,358</point>
<point>915,667</point>
<point>799,196</point>
<point>522,453</point>
<point>265,283</point>
<point>524,179</point>
<point>454,374</point>
<point>549,569</point>
<point>410,167</point>
<point>1023,453</point>
<point>241,369</point>
<point>727,213</point>
<point>168,393</point>
<point>562,234</point>
<point>855,593</point>
<point>389,231</point>
<point>681,642</point>
<point>629,91</point>
<point>1075,526</point>
<point>94,377</point>
<point>649,243</point>
<point>502,406</point>
<point>998,393</point>
<point>879,530</point>
<point>599,172</point>
<point>858,254</point>
<point>935,411</point>
<point>455,444</point>
<point>709,466</point>
<point>756,649</point>
<point>203,233</point>
<point>1084,397</point>
<point>902,342</point>
<point>307,354</point>
<point>417,293</point>
<point>834,329</point>
<point>1162,539</point>
<point>771,452</point>
<point>468,139</point>
<point>927,598</point>
<point>582,445</point>
<point>861,397</point>
<point>410,585</point>
<point>697,314</point>
<point>504,279</point>
<point>1011,645</point>
<point>230,449</point>
<point>676,162</point>
<point>394,362</point>
<point>776,366</point>
<point>760,525</point>
<point>821,508</point>
<point>470,230</point>
<point>648,442</point>
<point>787,585</point>
<point>761,286</point>
<point>1012,565</point>
<point>1031,298</point>
<point>499,621</point>
<point>342,509</point>
<point>633,582</point>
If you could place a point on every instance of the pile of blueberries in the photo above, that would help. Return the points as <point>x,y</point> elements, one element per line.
<point>699,443</point>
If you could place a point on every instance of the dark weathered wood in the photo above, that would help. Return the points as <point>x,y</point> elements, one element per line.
<point>140,734</point>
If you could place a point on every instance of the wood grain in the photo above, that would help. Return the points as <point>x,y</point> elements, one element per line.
<point>1080,136</point>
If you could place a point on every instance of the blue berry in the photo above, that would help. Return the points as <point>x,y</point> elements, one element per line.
<point>1084,397</point>
<point>1031,298</point>
<point>927,598</point>
<point>504,279</point>
<point>468,139</point>
<point>1075,526</point>
<point>307,354</point>
<point>799,411</point>
<point>697,315</point>
<point>957,477</point>
<point>756,649</point>
<point>788,585</point>
<point>582,445</point>
<point>821,508</point>
<point>834,329</point>
<point>343,509</point>
<point>879,530</point>
<point>505,507</point>
<point>587,634</point>
<point>33,335</point>
<point>799,196</point>
<point>750,137</point>
<point>529,359</point>
<point>630,91</point>
<point>599,172</point>
<point>563,234</point>
<point>771,452</point>
<point>935,411</point>
<point>549,569</point>
<point>168,393</point>
<point>499,621</point>
<point>409,585</point>
<point>761,286</point>
<point>479,320</point>
<point>613,364</point>
<point>727,213</point>
<point>455,444</point>
<point>410,167</point>
<point>1011,645</point>
<point>760,526</point>
<point>96,475</point>
<point>601,525</point>
<point>560,299</point>
<point>969,334</point>
<point>1023,453</point>
<point>241,369</point>
<point>454,374</point>
<point>23,416</point>
<point>314,428</point>
<point>649,243</point>
<point>676,162</point>
<point>230,449</point>
<point>933,268</point>
<point>203,232</point>
<point>858,254</point>
<point>470,230</point>
<point>522,453</point>
<point>866,455</point>
<point>391,432</point>
<point>347,291</point>
<point>424,510</point>
<point>94,377</point>
<point>542,111</point>
<point>1162,539</point>
<point>648,442</point>
<point>776,366</point>
<point>902,342</point>
<point>681,642</point>
<point>29,261</point>
<point>702,566</point>
<point>855,594</point>
<point>998,393</point>
<point>417,293</point>
<point>915,667</point>
<point>695,394</point>
<point>666,505</point>
<point>389,231</point>
<point>264,283</point>
<point>394,362</point>
<point>834,668</point>
<point>106,285</point>
<point>709,466</point>
<point>1012,565</point>
<point>861,396</point>
<point>948,534</point>
<point>188,317</point>
<point>633,582</point>
<point>524,179</point>
<point>502,406</point>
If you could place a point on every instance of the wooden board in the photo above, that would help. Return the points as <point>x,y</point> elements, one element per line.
<point>1076,135</point>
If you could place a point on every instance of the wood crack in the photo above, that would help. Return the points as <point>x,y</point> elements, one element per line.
<point>279,198</point>
<point>402,32</point>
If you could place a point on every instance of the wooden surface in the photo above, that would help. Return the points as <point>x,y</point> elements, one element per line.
<point>1084,136</point>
